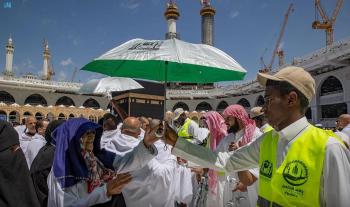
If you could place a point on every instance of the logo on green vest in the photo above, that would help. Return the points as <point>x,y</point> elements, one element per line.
<point>266,169</point>
<point>295,173</point>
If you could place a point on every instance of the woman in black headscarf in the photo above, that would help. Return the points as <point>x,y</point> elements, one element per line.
<point>16,187</point>
<point>42,164</point>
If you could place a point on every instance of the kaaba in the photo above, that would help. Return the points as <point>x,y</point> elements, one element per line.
<point>147,102</point>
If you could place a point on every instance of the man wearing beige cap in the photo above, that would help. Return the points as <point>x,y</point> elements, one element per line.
<point>257,114</point>
<point>300,165</point>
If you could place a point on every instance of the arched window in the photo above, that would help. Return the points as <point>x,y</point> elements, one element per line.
<point>66,101</point>
<point>27,113</point>
<point>203,106</point>
<point>62,116</point>
<point>6,97</point>
<point>71,116</point>
<point>331,86</point>
<point>92,118</point>
<point>91,103</point>
<point>14,116</point>
<point>244,102</point>
<point>39,116</point>
<point>36,99</point>
<point>222,106</point>
<point>260,101</point>
<point>181,105</point>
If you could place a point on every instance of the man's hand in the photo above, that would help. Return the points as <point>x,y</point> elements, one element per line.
<point>150,133</point>
<point>116,185</point>
<point>233,146</point>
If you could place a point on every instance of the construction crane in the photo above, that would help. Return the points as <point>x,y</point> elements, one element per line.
<point>277,49</point>
<point>327,23</point>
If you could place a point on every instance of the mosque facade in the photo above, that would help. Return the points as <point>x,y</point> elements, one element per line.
<point>43,97</point>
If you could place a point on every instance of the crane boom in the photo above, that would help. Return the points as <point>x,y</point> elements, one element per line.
<point>327,23</point>
<point>290,9</point>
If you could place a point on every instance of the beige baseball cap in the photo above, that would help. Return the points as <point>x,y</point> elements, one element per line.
<point>296,76</point>
<point>177,113</point>
<point>256,111</point>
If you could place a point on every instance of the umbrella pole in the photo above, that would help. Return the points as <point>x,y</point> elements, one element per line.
<point>165,84</point>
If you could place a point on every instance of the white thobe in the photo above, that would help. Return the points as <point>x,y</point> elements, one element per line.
<point>24,141</point>
<point>335,182</point>
<point>33,147</point>
<point>154,185</point>
<point>346,130</point>
<point>77,195</point>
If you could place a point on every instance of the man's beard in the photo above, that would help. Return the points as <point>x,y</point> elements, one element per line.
<point>233,129</point>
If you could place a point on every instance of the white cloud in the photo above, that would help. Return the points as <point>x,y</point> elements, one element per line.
<point>62,75</point>
<point>66,62</point>
<point>233,14</point>
<point>27,64</point>
<point>131,4</point>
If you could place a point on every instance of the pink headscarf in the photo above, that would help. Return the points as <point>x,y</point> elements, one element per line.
<point>218,130</point>
<point>239,112</point>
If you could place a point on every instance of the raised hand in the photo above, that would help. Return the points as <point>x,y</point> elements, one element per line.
<point>116,185</point>
<point>150,134</point>
<point>170,136</point>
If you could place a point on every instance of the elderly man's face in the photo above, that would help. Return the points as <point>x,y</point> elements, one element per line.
<point>30,124</point>
<point>275,107</point>
<point>340,123</point>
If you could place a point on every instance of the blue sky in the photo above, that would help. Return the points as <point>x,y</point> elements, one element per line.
<point>80,30</point>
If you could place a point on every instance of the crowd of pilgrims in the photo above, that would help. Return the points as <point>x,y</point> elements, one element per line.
<point>122,161</point>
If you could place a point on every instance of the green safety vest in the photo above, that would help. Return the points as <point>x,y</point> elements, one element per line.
<point>296,182</point>
<point>267,129</point>
<point>183,131</point>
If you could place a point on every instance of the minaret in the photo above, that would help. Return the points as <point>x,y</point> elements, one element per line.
<point>47,56</point>
<point>207,12</point>
<point>171,14</point>
<point>9,57</point>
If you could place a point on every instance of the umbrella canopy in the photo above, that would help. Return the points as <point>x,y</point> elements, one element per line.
<point>109,84</point>
<point>170,60</point>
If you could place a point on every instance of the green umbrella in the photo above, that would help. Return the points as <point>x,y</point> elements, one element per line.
<point>170,60</point>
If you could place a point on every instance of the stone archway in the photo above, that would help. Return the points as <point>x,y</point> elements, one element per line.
<point>260,101</point>
<point>14,116</point>
<point>91,103</point>
<point>244,102</point>
<point>181,105</point>
<point>61,116</point>
<point>222,106</point>
<point>39,116</point>
<point>65,101</point>
<point>331,89</point>
<point>6,97</point>
<point>35,99</point>
<point>203,106</point>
